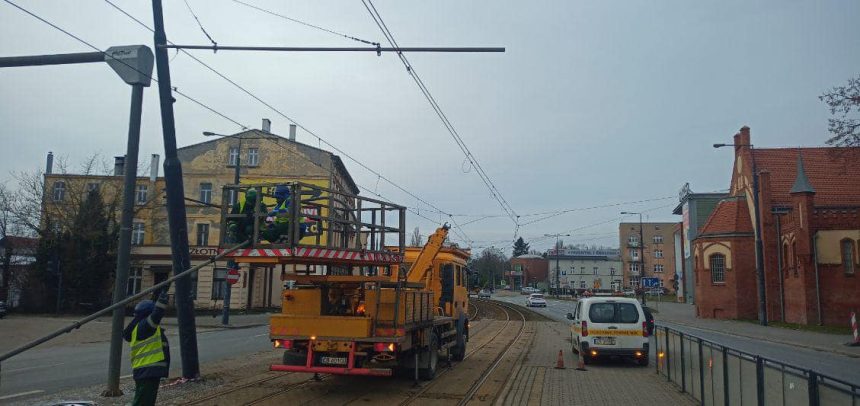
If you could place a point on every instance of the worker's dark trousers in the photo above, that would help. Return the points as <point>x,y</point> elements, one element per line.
<point>145,391</point>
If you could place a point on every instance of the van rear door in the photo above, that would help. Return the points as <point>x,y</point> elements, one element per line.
<point>615,325</point>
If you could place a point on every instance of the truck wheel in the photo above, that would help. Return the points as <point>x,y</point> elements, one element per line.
<point>295,358</point>
<point>429,359</point>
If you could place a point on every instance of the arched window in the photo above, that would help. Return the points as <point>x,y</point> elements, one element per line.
<point>718,268</point>
<point>848,261</point>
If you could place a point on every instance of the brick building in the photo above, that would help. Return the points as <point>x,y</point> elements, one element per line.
<point>810,215</point>
<point>528,270</point>
<point>658,249</point>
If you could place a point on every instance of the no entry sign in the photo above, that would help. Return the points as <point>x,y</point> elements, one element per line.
<point>232,276</point>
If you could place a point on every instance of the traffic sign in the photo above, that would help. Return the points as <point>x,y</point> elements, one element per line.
<point>232,276</point>
<point>650,282</point>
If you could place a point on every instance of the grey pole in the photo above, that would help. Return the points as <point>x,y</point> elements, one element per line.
<point>642,258</point>
<point>124,245</point>
<point>225,315</point>
<point>176,215</point>
<point>759,249</point>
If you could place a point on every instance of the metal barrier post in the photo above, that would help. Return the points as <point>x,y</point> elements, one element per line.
<point>725,377</point>
<point>701,371</point>
<point>666,356</point>
<point>812,384</point>
<point>759,380</point>
<point>683,374</point>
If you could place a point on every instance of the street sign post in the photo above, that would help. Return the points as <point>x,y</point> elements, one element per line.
<point>233,276</point>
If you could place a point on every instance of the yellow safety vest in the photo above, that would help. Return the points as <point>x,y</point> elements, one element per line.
<point>147,352</point>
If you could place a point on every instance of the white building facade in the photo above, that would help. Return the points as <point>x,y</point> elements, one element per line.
<point>586,269</point>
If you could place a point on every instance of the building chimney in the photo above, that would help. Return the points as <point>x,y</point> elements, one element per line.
<point>49,166</point>
<point>153,168</point>
<point>292,132</point>
<point>118,165</point>
<point>267,125</point>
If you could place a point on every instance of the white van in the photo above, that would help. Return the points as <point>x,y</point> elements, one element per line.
<point>610,326</point>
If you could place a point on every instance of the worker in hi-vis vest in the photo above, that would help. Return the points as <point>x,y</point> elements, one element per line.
<point>150,352</point>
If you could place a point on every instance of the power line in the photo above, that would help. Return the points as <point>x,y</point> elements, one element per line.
<point>307,24</point>
<point>285,116</point>
<point>496,194</point>
<point>199,24</point>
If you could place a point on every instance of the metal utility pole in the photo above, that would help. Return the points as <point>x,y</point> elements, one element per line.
<point>228,288</point>
<point>641,254</point>
<point>175,204</point>
<point>133,64</point>
<point>557,267</point>
<point>759,249</point>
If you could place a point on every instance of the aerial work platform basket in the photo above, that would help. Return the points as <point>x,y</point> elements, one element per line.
<point>302,223</point>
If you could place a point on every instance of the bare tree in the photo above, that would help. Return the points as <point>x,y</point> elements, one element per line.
<point>844,104</point>
<point>416,239</point>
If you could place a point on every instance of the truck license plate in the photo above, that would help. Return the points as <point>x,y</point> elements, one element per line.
<point>333,360</point>
<point>604,340</point>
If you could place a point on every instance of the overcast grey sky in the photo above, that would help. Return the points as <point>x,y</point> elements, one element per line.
<point>593,103</point>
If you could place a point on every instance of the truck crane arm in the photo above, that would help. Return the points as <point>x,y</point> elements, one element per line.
<point>424,262</point>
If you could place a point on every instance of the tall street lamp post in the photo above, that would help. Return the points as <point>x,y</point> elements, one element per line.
<point>641,254</point>
<point>759,251</point>
<point>557,268</point>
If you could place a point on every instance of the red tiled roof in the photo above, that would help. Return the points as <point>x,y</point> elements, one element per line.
<point>730,216</point>
<point>833,172</point>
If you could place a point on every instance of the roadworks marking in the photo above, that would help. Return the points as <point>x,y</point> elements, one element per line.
<point>17,395</point>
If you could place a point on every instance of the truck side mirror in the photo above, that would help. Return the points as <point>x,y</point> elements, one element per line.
<point>570,316</point>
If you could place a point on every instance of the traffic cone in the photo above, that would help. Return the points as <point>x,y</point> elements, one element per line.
<point>559,364</point>
<point>581,363</point>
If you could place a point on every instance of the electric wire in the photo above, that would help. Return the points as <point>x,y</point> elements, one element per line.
<point>307,24</point>
<point>496,194</point>
<point>199,24</point>
<point>285,116</point>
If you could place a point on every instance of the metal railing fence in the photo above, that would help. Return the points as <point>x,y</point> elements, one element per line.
<point>715,374</point>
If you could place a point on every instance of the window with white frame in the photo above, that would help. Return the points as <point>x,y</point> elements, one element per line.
<point>633,239</point>
<point>206,192</point>
<point>219,283</point>
<point>718,268</point>
<point>634,268</point>
<point>658,239</point>
<point>596,271</point>
<point>612,271</point>
<point>59,191</point>
<point>135,276</point>
<point>658,268</point>
<point>137,233</point>
<point>634,254</point>
<point>253,156</point>
<point>582,284</point>
<point>233,156</point>
<point>658,253</point>
<point>140,192</point>
<point>203,234</point>
<point>231,196</point>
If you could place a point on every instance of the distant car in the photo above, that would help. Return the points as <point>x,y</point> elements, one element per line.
<point>529,290</point>
<point>536,300</point>
<point>658,291</point>
<point>507,287</point>
<point>629,292</point>
<point>484,294</point>
<point>2,309</point>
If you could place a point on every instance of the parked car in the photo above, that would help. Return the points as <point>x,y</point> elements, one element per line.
<point>536,300</point>
<point>629,292</point>
<point>529,290</point>
<point>610,327</point>
<point>484,294</point>
<point>2,309</point>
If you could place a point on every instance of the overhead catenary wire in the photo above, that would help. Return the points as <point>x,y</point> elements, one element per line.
<point>496,194</point>
<point>295,20</point>
<point>199,24</point>
<point>285,116</point>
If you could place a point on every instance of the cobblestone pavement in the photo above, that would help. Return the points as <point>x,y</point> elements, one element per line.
<point>537,382</point>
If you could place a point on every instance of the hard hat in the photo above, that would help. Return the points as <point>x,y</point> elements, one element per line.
<point>282,192</point>
<point>251,193</point>
<point>144,308</point>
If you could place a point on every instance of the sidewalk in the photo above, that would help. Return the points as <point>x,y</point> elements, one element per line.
<point>684,314</point>
<point>19,329</point>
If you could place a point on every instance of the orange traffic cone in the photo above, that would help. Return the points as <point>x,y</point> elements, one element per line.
<point>581,364</point>
<point>560,363</point>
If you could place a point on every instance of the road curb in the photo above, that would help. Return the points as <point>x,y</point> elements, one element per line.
<point>223,327</point>
<point>784,342</point>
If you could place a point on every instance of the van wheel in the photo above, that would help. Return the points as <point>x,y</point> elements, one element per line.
<point>429,359</point>
<point>643,362</point>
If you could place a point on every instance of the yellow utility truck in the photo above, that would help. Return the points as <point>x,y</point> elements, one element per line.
<point>355,301</point>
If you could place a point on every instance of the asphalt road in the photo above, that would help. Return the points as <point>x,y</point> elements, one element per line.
<point>49,370</point>
<point>832,364</point>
